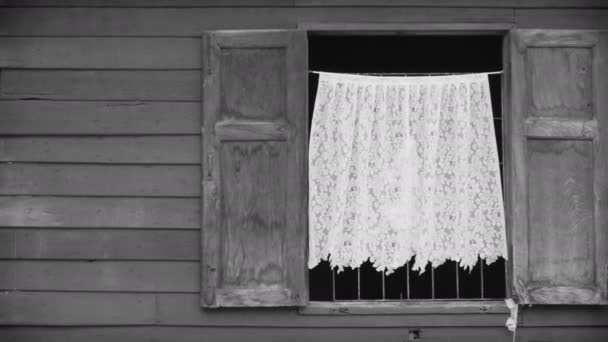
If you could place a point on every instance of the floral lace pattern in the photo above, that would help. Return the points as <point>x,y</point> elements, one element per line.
<point>403,167</point>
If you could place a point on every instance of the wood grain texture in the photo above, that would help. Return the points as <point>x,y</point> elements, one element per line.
<point>571,68</point>
<point>253,229</point>
<point>600,181</point>
<point>98,118</point>
<point>234,130</point>
<point>403,308</point>
<point>457,3</point>
<point>353,334</point>
<point>61,308</point>
<point>210,202</point>
<point>191,22</point>
<point>103,150</point>
<point>518,183</point>
<point>571,19</point>
<point>100,53</point>
<point>558,232</point>
<point>7,244</point>
<point>429,28</point>
<point>241,85</point>
<point>100,276</point>
<point>99,180</point>
<point>97,212</point>
<point>146,3</point>
<point>561,230</point>
<point>181,309</point>
<point>566,128</point>
<point>560,315</point>
<point>139,85</point>
<point>192,334</point>
<point>251,248</point>
<point>105,244</point>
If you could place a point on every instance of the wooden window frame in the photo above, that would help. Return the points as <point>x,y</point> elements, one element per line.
<point>277,290</point>
<point>472,306</point>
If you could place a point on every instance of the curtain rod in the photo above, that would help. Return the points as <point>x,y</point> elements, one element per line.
<point>412,74</point>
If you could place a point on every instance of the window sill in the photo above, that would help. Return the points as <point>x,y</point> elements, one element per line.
<point>405,308</point>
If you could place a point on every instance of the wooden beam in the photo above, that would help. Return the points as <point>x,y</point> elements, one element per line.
<point>405,28</point>
<point>99,180</point>
<point>100,276</point>
<point>100,53</point>
<point>146,3</point>
<point>454,3</point>
<point>104,244</point>
<point>191,22</point>
<point>561,129</point>
<point>175,309</point>
<point>99,212</point>
<point>67,308</point>
<point>403,308</point>
<point>85,118</point>
<point>138,85</point>
<point>190,334</point>
<point>102,150</point>
<point>562,19</point>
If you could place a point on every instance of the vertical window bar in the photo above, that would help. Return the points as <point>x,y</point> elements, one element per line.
<point>481,275</point>
<point>432,282</point>
<point>358,282</point>
<point>383,285</point>
<point>457,283</point>
<point>407,278</point>
<point>333,284</point>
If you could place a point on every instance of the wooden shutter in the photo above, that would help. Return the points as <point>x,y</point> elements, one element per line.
<point>254,169</point>
<point>559,147</point>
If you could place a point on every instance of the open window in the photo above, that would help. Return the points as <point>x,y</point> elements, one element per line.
<point>414,55</point>
<point>254,166</point>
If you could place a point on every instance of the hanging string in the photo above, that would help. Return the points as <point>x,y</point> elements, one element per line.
<point>412,73</point>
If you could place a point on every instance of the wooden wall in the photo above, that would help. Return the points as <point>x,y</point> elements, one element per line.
<point>99,171</point>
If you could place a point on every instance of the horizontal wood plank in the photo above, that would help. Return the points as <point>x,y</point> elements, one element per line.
<point>117,150</point>
<point>564,128</point>
<point>241,130</point>
<point>61,308</point>
<point>316,3</point>
<point>193,21</point>
<point>146,3</point>
<point>351,334</point>
<point>561,18</point>
<point>403,308</point>
<point>183,309</point>
<point>88,212</point>
<point>98,118</point>
<point>100,53</point>
<point>172,309</point>
<point>103,244</point>
<point>197,334</point>
<point>139,85</point>
<point>456,3</point>
<point>558,315</point>
<point>99,180</point>
<point>100,276</point>
<point>7,244</point>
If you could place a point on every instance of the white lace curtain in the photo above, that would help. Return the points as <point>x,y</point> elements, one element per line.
<point>403,167</point>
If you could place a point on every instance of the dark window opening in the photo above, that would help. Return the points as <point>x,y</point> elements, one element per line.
<point>409,54</point>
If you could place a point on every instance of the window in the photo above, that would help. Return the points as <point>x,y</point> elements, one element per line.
<point>412,54</point>
<point>254,177</point>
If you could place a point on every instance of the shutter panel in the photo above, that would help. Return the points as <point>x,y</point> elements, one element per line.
<point>254,169</point>
<point>558,176</point>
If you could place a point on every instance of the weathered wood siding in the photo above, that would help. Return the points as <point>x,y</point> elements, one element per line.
<point>100,174</point>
